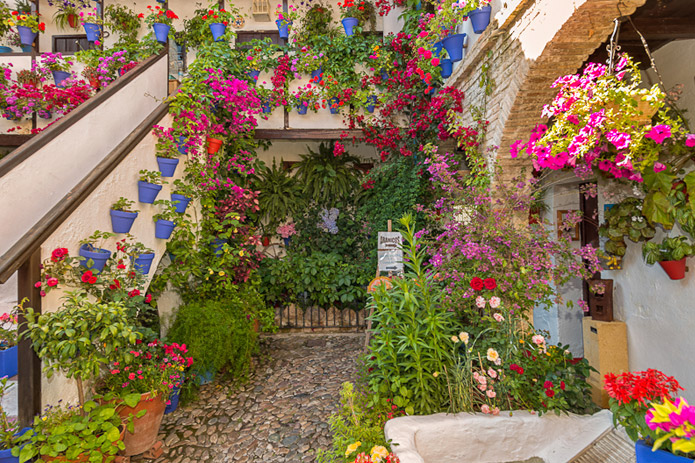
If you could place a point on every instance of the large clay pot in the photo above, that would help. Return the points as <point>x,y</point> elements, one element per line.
<point>145,428</point>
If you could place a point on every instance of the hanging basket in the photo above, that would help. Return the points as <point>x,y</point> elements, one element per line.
<point>92,30</point>
<point>454,46</point>
<point>26,35</point>
<point>283,28</point>
<point>447,67</point>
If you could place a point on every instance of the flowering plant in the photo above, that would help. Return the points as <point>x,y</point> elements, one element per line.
<point>27,20</point>
<point>55,62</point>
<point>287,230</point>
<point>287,17</point>
<point>673,421</point>
<point>67,12</point>
<point>159,15</point>
<point>91,17</point>
<point>166,146</point>
<point>8,330</point>
<point>9,426</point>
<point>362,10</point>
<point>631,393</point>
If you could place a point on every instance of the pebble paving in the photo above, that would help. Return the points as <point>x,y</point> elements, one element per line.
<point>279,415</point>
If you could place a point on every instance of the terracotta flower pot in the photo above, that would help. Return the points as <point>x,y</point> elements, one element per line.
<point>72,20</point>
<point>214,145</point>
<point>675,269</point>
<point>145,428</point>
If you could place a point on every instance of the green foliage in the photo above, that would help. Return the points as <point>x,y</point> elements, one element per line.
<point>123,21</point>
<point>327,178</point>
<point>167,211</point>
<point>124,204</point>
<point>218,335</point>
<point>317,21</point>
<point>197,29</point>
<point>674,248</point>
<point>280,196</point>
<point>625,220</point>
<point>411,346</point>
<point>151,176</point>
<point>94,431</point>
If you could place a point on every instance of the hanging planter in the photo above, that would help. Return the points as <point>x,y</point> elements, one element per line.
<point>214,145</point>
<point>181,144</point>
<point>8,362</point>
<point>161,32</point>
<point>316,73</point>
<point>437,48</point>
<point>143,262</point>
<point>302,107</point>
<point>283,28</point>
<point>26,35</point>
<point>72,20</point>
<point>333,105</point>
<point>675,269</point>
<point>254,73</point>
<point>371,103</point>
<point>480,18</point>
<point>59,77</point>
<point>180,202</point>
<point>454,46</point>
<point>644,454</point>
<point>6,454</point>
<point>287,241</point>
<point>98,257</point>
<point>163,229</point>
<point>92,30</point>
<point>218,30</point>
<point>167,166</point>
<point>384,74</point>
<point>447,67</point>
<point>349,25</point>
<point>26,48</point>
<point>147,192</point>
<point>122,221</point>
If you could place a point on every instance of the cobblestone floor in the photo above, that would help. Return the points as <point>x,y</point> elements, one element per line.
<point>279,415</point>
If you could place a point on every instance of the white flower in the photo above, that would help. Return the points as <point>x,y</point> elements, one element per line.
<point>498,317</point>
<point>495,302</point>
<point>492,355</point>
<point>538,339</point>
<point>480,302</point>
<point>463,336</point>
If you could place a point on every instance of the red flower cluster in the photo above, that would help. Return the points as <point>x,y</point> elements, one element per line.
<point>488,283</point>
<point>548,386</point>
<point>59,254</point>
<point>88,277</point>
<point>369,184</point>
<point>643,386</point>
<point>517,368</point>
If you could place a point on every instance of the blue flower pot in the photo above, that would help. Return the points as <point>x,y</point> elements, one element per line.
<point>163,229</point>
<point>205,378</point>
<point>173,401</point>
<point>59,77</point>
<point>6,454</point>
<point>349,25</point>
<point>253,74</point>
<point>183,149</point>
<point>480,18</point>
<point>98,257</point>
<point>454,46</point>
<point>447,67</point>
<point>283,29</point>
<point>26,36</point>
<point>143,262</point>
<point>645,455</point>
<point>167,166</point>
<point>218,30</point>
<point>333,105</point>
<point>266,108</point>
<point>302,107</point>
<point>147,192</point>
<point>92,30</point>
<point>287,241</point>
<point>181,202</point>
<point>217,245</point>
<point>317,72</point>
<point>121,221</point>
<point>5,50</point>
<point>371,103</point>
<point>384,74</point>
<point>26,48</point>
<point>8,362</point>
<point>161,32</point>
<point>437,48</point>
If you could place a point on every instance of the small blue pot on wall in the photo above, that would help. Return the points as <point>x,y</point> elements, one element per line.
<point>26,35</point>
<point>180,201</point>
<point>217,246</point>
<point>454,46</point>
<point>8,362</point>
<point>143,262</point>
<point>644,454</point>
<point>161,32</point>
<point>480,18</point>
<point>97,256</point>
<point>167,166</point>
<point>447,67</point>
<point>59,77</point>
<point>163,229</point>
<point>122,221</point>
<point>283,28</point>
<point>334,105</point>
<point>349,25</point>
<point>92,30</point>
<point>147,192</point>
<point>5,50</point>
<point>302,107</point>
<point>218,30</point>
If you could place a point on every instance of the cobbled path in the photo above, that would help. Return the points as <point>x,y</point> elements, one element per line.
<point>279,415</point>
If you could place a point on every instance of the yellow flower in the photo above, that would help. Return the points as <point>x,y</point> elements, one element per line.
<point>454,339</point>
<point>221,273</point>
<point>492,354</point>
<point>22,17</point>
<point>378,453</point>
<point>435,374</point>
<point>210,270</point>
<point>352,447</point>
<point>241,253</point>
<point>464,337</point>
<point>10,23</point>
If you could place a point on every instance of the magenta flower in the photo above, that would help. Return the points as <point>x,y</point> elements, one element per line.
<point>659,133</point>
<point>621,140</point>
<point>690,140</point>
<point>658,167</point>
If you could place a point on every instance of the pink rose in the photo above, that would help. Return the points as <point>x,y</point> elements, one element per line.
<point>658,167</point>
<point>480,302</point>
<point>485,408</point>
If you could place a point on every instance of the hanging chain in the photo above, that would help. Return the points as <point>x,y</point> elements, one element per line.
<point>613,48</point>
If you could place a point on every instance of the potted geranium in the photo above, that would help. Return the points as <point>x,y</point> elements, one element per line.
<point>28,26</point>
<point>285,19</point>
<point>59,67</point>
<point>286,232</point>
<point>356,12</point>
<point>8,344</point>
<point>93,432</point>
<point>92,23</point>
<point>68,12</point>
<point>217,19</point>
<point>149,185</point>
<point>161,20</point>
<point>630,395</point>
<point>123,215</point>
<point>167,149</point>
<point>670,254</point>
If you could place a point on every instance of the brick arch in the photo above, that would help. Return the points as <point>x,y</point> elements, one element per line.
<point>538,41</point>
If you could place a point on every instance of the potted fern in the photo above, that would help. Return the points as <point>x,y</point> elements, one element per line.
<point>670,254</point>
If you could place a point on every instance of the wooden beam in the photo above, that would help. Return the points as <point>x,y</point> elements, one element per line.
<point>659,29</point>
<point>305,134</point>
<point>15,140</point>
<point>29,365</point>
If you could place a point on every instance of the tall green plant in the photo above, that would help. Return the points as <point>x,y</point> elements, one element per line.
<point>280,195</point>
<point>327,178</point>
<point>411,345</point>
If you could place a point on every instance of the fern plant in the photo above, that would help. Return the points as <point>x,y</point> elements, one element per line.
<point>327,178</point>
<point>280,195</point>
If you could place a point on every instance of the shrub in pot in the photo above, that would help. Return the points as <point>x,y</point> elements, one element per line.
<point>149,186</point>
<point>123,215</point>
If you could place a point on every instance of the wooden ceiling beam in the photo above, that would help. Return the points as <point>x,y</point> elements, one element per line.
<point>305,134</point>
<point>659,29</point>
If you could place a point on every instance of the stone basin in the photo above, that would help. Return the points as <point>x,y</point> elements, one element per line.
<point>480,438</point>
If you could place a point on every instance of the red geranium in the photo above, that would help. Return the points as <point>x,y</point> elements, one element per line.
<point>517,368</point>
<point>133,293</point>
<point>490,283</point>
<point>477,283</point>
<point>642,386</point>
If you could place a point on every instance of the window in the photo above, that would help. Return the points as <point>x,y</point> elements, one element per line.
<point>71,43</point>
<point>247,36</point>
